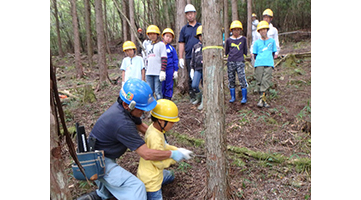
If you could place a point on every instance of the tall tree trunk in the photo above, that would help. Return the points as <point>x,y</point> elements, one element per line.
<point>180,22</point>
<point>215,137</point>
<point>79,67</point>
<point>58,178</point>
<point>60,48</point>
<point>131,17</point>
<point>103,72</point>
<point>225,19</point>
<point>124,22</point>
<point>106,32</point>
<point>234,10</point>
<point>166,14</point>
<point>88,32</point>
<point>249,23</point>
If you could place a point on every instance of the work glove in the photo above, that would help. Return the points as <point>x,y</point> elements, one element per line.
<point>175,75</point>
<point>162,76</point>
<point>191,74</point>
<point>176,155</point>
<point>186,153</point>
<point>181,63</point>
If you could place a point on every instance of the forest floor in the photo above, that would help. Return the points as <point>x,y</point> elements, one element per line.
<point>269,150</point>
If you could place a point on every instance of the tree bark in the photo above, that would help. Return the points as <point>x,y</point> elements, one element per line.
<point>58,178</point>
<point>213,101</point>
<point>79,67</point>
<point>88,32</point>
<point>249,23</point>
<point>182,83</point>
<point>234,10</point>
<point>131,17</point>
<point>60,48</point>
<point>124,22</point>
<point>225,19</point>
<point>166,14</point>
<point>103,72</point>
<point>106,32</point>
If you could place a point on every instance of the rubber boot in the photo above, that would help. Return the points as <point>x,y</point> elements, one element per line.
<point>244,95</point>
<point>233,94</point>
<point>198,98</point>
<point>200,107</point>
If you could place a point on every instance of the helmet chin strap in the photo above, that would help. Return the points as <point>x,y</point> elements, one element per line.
<point>162,127</point>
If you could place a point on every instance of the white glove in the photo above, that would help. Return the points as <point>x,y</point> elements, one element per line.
<point>186,153</point>
<point>175,75</point>
<point>181,63</point>
<point>162,76</point>
<point>191,74</point>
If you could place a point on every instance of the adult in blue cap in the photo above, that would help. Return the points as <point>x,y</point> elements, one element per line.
<point>115,131</point>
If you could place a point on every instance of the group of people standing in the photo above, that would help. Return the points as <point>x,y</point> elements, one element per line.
<point>117,129</point>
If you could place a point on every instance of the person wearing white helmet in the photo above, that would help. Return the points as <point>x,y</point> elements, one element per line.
<point>187,41</point>
<point>272,32</point>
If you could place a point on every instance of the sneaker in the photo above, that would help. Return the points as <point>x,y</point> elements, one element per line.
<point>266,105</point>
<point>260,103</point>
<point>90,196</point>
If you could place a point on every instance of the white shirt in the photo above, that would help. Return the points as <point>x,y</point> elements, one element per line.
<point>272,33</point>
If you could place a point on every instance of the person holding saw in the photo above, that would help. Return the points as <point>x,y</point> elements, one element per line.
<point>115,131</point>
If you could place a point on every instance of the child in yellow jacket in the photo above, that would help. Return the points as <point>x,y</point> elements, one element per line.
<point>152,173</point>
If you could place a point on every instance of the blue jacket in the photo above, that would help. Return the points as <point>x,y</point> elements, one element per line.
<point>172,61</point>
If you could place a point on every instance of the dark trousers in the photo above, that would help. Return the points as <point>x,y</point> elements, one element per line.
<point>190,90</point>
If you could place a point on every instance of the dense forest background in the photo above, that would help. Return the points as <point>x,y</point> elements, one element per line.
<point>289,15</point>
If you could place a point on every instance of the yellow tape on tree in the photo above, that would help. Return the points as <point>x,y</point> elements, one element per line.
<point>212,47</point>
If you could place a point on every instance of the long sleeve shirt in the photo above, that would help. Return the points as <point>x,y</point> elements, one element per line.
<point>151,172</point>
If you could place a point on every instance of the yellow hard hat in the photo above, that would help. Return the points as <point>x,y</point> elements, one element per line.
<point>268,12</point>
<point>153,29</point>
<point>165,110</point>
<point>236,24</point>
<point>199,30</point>
<point>262,24</point>
<point>168,30</point>
<point>129,45</point>
<point>254,15</point>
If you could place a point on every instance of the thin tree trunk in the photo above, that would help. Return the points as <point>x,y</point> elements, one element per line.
<point>215,137</point>
<point>225,19</point>
<point>182,83</point>
<point>58,177</point>
<point>124,22</point>
<point>103,72</point>
<point>249,23</point>
<point>60,48</point>
<point>88,32</point>
<point>234,10</point>
<point>106,32</point>
<point>131,17</point>
<point>79,67</point>
<point>166,14</point>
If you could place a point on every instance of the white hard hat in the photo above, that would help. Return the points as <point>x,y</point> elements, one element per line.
<point>189,8</point>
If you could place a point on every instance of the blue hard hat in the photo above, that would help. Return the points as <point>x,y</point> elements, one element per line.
<point>138,91</point>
